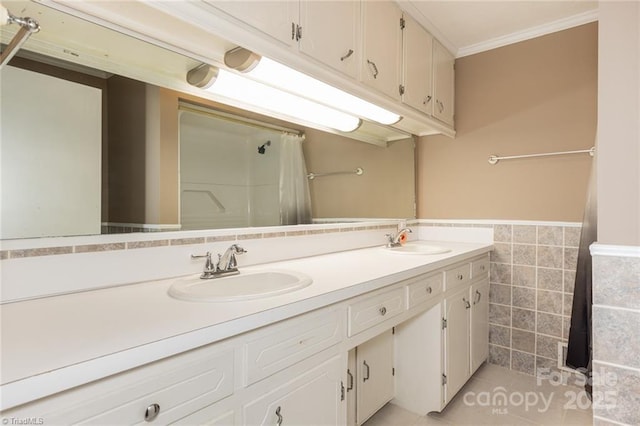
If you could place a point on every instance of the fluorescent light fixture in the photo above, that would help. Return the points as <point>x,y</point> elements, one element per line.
<point>275,74</point>
<point>250,92</point>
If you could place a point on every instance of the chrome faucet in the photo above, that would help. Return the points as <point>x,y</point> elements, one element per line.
<point>394,240</point>
<point>227,263</point>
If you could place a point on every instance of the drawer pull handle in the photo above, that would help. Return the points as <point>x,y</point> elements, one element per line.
<point>151,412</point>
<point>367,371</point>
<point>350,385</point>
<point>349,53</point>
<point>467,305</point>
<point>373,67</point>
<point>429,290</point>
<point>478,298</point>
<point>383,311</point>
<point>280,418</point>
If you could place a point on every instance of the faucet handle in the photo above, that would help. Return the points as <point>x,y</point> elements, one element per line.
<point>208,266</point>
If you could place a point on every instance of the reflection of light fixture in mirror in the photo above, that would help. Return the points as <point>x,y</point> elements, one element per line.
<point>278,75</point>
<point>233,86</point>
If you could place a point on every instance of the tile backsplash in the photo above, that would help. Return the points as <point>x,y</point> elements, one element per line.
<point>532,277</point>
<point>531,292</point>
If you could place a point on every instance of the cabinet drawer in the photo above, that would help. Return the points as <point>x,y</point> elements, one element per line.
<point>282,345</point>
<point>480,268</point>
<point>425,289</point>
<point>178,385</point>
<point>457,276</point>
<point>374,310</point>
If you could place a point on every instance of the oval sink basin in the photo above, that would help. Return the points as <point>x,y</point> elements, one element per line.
<point>246,285</point>
<point>418,248</point>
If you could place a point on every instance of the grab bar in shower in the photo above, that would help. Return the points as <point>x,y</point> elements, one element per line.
<point>359,171</point>
<point>493,159</point>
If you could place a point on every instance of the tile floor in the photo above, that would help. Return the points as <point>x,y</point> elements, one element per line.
<point>528,402</point>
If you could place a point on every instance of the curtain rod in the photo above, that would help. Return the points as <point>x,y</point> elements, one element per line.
<point>493,159</point>
<point>184,106</point>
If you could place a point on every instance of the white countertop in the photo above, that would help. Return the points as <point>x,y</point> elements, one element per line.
<point>55,343</point>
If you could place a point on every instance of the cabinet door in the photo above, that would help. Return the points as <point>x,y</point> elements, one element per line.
<point>351,388</point>
<point>443,83</point>
<point>456,356</point>
<point>382,45</point>
<point>417,47</point>
<point>375,375</point>
<point>312,398</point>
<point>278,19</point>
<point>479,324</point>
<point>329,33</point>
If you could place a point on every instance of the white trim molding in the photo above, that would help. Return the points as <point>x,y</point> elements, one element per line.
<point>533,32</point>
<point>598,249</point>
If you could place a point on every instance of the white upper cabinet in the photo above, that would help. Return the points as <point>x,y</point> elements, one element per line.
<point>329,33</point>
<point>278,19</point>
<point>382,45</point>
<point>417,70</point>
<point>443,83</point>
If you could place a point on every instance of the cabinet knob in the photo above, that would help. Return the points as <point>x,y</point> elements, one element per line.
<point>151,412</point>
<point>429,291</point>
<point>383,311</point>
<point>460,277</point>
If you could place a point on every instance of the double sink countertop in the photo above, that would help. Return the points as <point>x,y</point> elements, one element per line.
<point>55,343</point>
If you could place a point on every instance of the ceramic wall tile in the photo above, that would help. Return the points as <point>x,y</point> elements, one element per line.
<point>549,301</point>
<point>523,319</point>
<point>524,234</point>
<point>616,281</point>
<point>616,336</point>
<point>524,341</point>
<point>550,279</point>
<point>550,257</point>
<point>550,235</point>
<point>524,276</point>
<point>524,297</point>
<point>500,294</point>
<point>524,254</point>
<point>549,324</point>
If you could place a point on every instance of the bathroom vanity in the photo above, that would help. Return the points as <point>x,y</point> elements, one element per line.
<point>374,326</point>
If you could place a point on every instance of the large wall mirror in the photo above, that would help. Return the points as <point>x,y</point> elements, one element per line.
<point>102,134</point>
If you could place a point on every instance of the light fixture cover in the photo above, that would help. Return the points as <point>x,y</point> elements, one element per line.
<point>250,92</point>
<point>278,75</point>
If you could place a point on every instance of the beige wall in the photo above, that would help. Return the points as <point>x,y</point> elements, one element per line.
<point>619,124</point>
<point>386,189</point>
<point>531,97</point>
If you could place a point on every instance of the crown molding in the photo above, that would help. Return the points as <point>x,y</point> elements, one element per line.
<point>533,32</point>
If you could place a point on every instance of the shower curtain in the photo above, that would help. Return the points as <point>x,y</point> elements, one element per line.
<point>579,347</point>
<point>295,199</point>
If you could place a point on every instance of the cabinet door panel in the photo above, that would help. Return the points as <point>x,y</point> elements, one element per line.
<point>457,341</point>
<point>443,87</point>
<point>313,398</point>
<point>330,33</point>
<point>417,46</point>
<point>479,324</point>
<point>274,18</point>
<point>375,378</point>
<point>382,47</point>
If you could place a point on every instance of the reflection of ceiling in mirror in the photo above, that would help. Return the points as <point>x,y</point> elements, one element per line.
<point>65,37</point>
